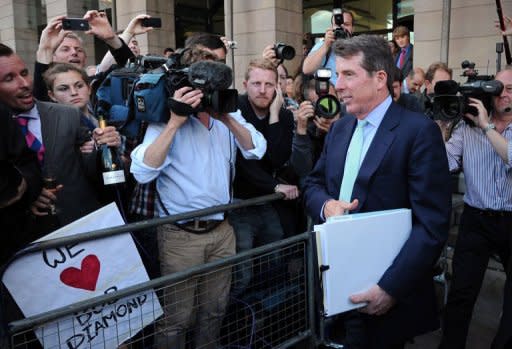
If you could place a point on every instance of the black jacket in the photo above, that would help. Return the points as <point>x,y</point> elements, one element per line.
<point>258,177</point>
<point>17,162</point>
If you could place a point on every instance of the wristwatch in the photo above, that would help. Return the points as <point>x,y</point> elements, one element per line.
<point>488,127</point>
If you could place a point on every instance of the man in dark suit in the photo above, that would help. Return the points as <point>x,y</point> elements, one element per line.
<point>19,185</point>
<point>403,59</point>
<point>57,130</point>
<point>394,158</point>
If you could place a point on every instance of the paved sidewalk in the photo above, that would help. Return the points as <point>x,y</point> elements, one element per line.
<point>486,315</point>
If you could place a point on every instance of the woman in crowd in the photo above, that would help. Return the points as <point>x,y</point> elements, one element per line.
<point>68,84</point>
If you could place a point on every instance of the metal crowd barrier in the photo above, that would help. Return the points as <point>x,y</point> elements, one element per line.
<point>277,309</point>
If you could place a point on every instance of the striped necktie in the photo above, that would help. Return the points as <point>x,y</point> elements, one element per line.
<point>32,142</point>
<point>352,162</point>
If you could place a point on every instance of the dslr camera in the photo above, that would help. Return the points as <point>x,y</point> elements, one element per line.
<point>339,32</point>
<point>327,105</point>
<point>284,52</point>
<point>450,101</point>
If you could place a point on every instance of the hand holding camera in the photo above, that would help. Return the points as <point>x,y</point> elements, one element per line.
<point>305,112</point>
<point>188,97</point>
<point>51,37</point>
<point>278,52</point>
<point>323,124</point>
<point>136,26</point>
<point>101,28</point>
<point>329,37</point>
<point>481,120</point>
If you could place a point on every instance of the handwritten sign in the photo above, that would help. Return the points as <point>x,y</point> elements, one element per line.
<point>54,278</point>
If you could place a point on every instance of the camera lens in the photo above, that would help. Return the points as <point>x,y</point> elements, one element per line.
<point>284,51</point>
<point>340,33</point>
<point>448,107</point>
<point>327,106</point>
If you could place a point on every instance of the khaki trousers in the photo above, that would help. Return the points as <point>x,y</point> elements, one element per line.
<point>201,300</point>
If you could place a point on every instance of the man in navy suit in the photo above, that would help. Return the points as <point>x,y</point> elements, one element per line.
<point>400,163</point>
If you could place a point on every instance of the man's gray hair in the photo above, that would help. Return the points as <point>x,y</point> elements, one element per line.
<point>375,54</point>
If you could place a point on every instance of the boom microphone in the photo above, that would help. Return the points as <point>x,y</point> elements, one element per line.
<point>210,75</point>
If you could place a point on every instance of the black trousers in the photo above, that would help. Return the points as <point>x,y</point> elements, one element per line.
<point>480,235</point>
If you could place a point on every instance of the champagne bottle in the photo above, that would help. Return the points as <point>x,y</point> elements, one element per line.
<point>111,164</point>
<point>50,183</point>
<point>50,222</point>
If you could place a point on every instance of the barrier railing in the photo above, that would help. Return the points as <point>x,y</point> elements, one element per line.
<point>276,310</point>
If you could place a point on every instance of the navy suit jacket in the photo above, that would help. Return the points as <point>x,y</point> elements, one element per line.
<point>405,167</point>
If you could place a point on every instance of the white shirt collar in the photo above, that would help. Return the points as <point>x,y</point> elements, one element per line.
<point>375,117</point>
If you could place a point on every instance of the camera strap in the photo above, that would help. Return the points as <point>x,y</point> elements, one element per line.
<point>180,108</point>
<point>327,56</point>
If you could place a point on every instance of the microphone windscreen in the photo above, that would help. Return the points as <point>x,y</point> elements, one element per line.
<point>210,75</point>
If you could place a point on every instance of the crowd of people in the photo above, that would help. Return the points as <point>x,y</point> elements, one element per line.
<point>388,147</point>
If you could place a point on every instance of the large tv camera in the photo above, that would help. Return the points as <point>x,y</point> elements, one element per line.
<point>451,100</point>
<point>154,91</point>
<point>327,105</point>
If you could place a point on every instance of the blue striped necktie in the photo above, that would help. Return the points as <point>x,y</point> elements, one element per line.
<point>352,162</point>
<point>32,142</point>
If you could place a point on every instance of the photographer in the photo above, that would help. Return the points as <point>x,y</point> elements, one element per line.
<point>437,71</point>
<point>192,158</point>
<point>311,127</point>
<point>321,55</point>
<point>61,46</point>
<point>484,153</point>
<point>270,53</point>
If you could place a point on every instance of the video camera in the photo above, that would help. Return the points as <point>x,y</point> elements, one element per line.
<point>327,105</point>
<point>154,90</point>
<point>450,101</point>
<point>148,63</point>
<point>340,32</point>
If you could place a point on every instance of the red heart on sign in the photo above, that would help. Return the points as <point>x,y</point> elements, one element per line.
<point>84,278</point>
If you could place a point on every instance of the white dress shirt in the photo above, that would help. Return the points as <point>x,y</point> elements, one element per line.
<point>199,167</point>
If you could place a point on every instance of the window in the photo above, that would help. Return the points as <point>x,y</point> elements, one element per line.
<point>370,16</point>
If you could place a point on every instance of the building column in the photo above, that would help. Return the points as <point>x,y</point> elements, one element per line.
<point>157,40</point>
<point>18,27</point>
<point>257,24</point>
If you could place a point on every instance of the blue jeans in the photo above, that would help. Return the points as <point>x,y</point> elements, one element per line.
<point>254,226</point>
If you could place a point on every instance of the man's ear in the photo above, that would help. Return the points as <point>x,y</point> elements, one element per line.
<point>382,79</point>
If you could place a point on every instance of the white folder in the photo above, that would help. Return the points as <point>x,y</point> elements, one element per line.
<point>355,250</point>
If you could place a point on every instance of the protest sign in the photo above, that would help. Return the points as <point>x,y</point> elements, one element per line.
<point>61,276</point>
